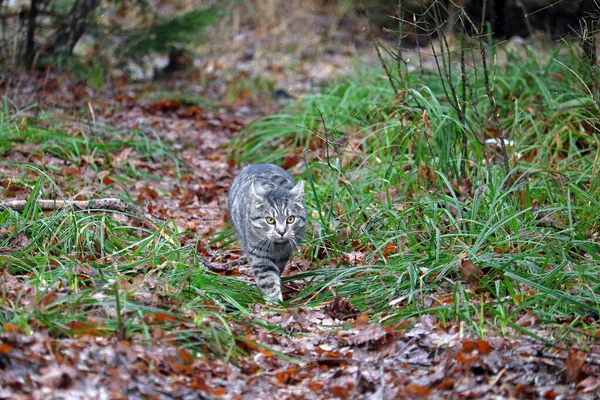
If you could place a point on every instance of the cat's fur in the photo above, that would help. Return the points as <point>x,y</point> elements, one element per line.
<point>262,201</point>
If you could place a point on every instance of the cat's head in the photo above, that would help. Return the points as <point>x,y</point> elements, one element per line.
<point>278,214</point>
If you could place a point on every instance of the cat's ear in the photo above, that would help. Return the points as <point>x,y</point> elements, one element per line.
<point>298,190</point>
<point>257,190</point>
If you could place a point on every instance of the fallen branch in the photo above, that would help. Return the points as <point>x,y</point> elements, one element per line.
<point>107,204</point>
<point>111,204</point>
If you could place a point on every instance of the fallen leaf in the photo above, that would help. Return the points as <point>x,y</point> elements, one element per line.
<point>465,359</point>
<point>57,377</point>
<point>468,346</point>
<point>10,328</point>
<point>339,391</point>
<point>361,321</point>
<point>286,375</point>
<point>5,348</point>
<point>48,299</point>
<point>484,347</point>
<point>185,356</point>
<point>589,384</point>
<point>420,391</point>
<point>164,105</point>
<point>290,161</point>
<point>574,365</point>
<point>470,272</point>
<point>357,337</point>
<point>341,308</point>
<point>315,386</point>
<point>354,257</point>
<point>84,328</point>
<point>389,249</point>
<point>527,320</point>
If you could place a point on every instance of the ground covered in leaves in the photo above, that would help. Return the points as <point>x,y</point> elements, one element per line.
<point>332,350</point>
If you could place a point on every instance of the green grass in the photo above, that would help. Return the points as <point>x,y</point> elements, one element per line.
<point>391,186</point>
<point>440,228</point>
<point>114,158</point>
<point>106,273</point>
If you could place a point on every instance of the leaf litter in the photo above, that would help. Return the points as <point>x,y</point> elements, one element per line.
<point>332,351</point>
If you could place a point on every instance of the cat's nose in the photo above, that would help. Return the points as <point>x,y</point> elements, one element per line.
<point>281,233</point>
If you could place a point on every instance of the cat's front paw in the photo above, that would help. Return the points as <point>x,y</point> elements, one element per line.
<point>274,297</point>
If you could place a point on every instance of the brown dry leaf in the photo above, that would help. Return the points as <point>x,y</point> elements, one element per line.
<point>468,346</point>
<point>527,320</point>
<point>465,186</point>
<point>357,337</point>
<point>198,383</point>
<point>574,365</point>
<point>57,377</point>
<point>266,353</point>
<point>589,384</point>
<point>361,321</point>
<point>420,391</point>
<point>5,348</point>
<point>342,392</point>
<point>107,180</point>
<point>250,344</point>
<point>207,193</point>
<point>315,386</point>
<point>84,328</point>
<point>341,308</point>
<point>290,161</point>
<point>126,154</point>
<point>462,358</point>
<point>164,105</point>
<point>180,368</point>
<point>470,272</point>
<point>194,111</point>
<point>447,384</point>
<point>484,347</point>
<point>245,94</point>
<point>390,249</point>
<point>354,257</point>
<point>286,375</point>
<point>17,243</point>
<point>185,356</point>
<point>162,317</point>
<point>10,328</point>
<point>48,299</point>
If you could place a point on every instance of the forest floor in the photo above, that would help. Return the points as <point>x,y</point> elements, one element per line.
<point>330,351</point>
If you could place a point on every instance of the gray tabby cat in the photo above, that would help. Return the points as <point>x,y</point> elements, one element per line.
<point>270,219</point>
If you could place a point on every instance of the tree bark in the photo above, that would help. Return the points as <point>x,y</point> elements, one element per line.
<point>106,204</point>
<point>73,27</point>
<point>30,49</point>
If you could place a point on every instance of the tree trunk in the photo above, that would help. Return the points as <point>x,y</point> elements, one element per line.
<point>73,27</point>
<point>30,49</point>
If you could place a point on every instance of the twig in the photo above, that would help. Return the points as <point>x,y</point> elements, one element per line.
<point>489,90</point>
<point>382,61</point>
<point>108,204</point>
<point>399,55</point>
<point>105,204</point>
<point>561,357</point>
<point>463,104</point>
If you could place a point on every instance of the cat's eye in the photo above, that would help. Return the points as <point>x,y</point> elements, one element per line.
<point>290,220</point>
<point>270,221</point>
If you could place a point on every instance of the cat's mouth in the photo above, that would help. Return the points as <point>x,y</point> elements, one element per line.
<point>280,239</point>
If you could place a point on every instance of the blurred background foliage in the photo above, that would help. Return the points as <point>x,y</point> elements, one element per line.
<point>104,35</point>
